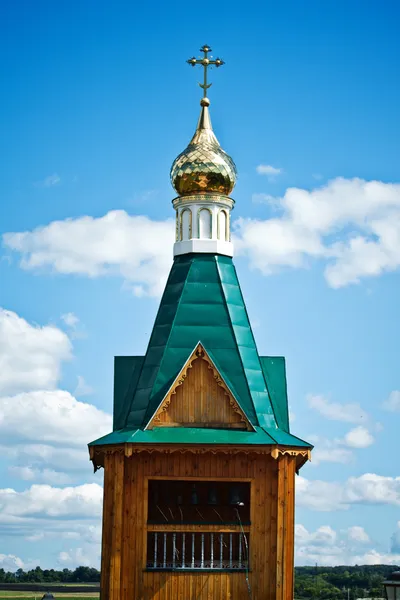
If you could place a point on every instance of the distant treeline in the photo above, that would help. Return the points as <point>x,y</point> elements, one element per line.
<point>334,582</point>
<point>310,582</point>
<point>38,575</point>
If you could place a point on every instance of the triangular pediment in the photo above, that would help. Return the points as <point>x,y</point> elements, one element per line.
<point>200,397</point>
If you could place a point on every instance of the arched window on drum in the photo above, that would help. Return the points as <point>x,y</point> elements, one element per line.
<point>186,224</point>
<point>205,223</point>
<point>223,225</point>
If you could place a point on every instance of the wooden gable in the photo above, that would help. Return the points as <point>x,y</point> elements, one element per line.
<point>199,397</point>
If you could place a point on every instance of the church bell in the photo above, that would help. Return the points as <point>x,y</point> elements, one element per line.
<point>194,496</point>
<point>235,497</point>
<point>212,496</point>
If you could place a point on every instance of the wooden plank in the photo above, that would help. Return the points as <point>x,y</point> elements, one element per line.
<point>116,536</point>
<point>141,534</point>
<point>289,526</point>
<point>125,534</point>
<point>130,524</point>
<point>280,528</point>
<point>227,478</point>
<point>108,495</point>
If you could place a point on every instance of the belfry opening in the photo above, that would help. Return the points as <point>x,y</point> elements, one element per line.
<point>199,470</point>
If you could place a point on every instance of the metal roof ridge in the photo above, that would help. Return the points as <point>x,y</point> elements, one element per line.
<point>145,419</point>
<point>260,369</point>
<point>234,334</point>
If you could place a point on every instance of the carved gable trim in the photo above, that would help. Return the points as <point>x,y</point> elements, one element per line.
<point>198,353</point>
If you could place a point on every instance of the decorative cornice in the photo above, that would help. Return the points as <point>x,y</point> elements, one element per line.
<point>204,198</point>
<point>279,451</point>
<point>97,453</point>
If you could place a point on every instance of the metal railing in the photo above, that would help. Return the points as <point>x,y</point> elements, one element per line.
<point>197,551</point>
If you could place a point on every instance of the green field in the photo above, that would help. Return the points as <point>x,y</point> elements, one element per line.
<point>4,594</point>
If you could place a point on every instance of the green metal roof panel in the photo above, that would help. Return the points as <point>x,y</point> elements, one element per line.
<point>283,438</point>
<point>126,375</point>
<point>246,345</point>
<point>274,369</point>
<point>198,436</point>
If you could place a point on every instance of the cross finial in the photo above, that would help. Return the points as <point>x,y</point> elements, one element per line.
<point>205,62</point>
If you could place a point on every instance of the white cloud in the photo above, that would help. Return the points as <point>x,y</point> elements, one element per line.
<point>49,181</point>
<point>41,456</point>
<point>393,402</point>
<point>319,495</point>
<point>268,170</point>
<point>135,247</point>
<point>359,437</point>
<point>76,330</point>
<point>40,475</point>
<point>263,199</point>
<point>85,556</point>
<point>51,502</point>
<point>69,530</point>
<point>9,562</point>
<point>327,547</point>
<point>352,225</point>
<point>358,534</point>
<point>82,388</point>
<point>51,416</point>
<point>42,513</point>
<point>44,432</point>
<point>349,413</point>
<point>373,557</point>
<point>373,489</point>
<point>70,319</point>
<point>365,489</point>
<point>323,535</point>
<point>339,450</point>
<point>30,355</point>
<point>395,539</point>
<point>331,453</point>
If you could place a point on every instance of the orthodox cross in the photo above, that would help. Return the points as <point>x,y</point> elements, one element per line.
<point>205,62</point>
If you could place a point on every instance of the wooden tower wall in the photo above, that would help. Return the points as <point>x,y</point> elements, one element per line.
<point>123,574</point>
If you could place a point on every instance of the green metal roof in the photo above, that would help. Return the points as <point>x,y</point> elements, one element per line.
<point>202,302</point>
<point>200,436</point>
<point>126,374</point>
<point>274,370</point>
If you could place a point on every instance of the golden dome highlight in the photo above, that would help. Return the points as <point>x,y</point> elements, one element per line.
<point>203,167</point>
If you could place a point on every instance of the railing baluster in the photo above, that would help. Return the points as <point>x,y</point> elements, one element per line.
<point>173,549</point>
<point>168,555</point>
<point>155,549</point>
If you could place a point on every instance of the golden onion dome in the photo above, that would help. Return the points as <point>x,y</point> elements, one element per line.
<point>203,167</point>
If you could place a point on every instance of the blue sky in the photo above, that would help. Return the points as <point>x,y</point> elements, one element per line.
<point>96,102</point>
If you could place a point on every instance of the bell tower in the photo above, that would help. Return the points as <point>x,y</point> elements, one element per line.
<point>200,467</point>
